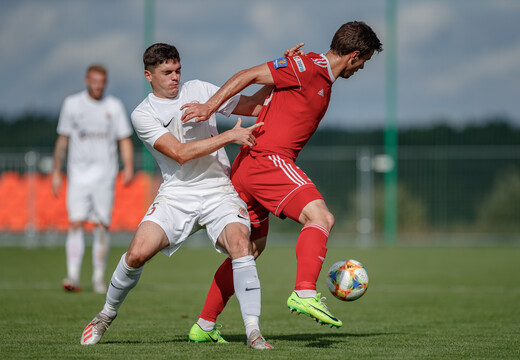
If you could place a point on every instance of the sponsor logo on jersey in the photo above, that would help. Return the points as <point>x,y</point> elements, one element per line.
<point>169,122</point>
<point>320,93</point>
<point>299,62</point>
<point>280,63</point>
<point>83,134</point>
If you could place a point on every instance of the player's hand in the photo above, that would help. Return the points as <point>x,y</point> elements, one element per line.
<point>127,175</point>
<point>295,50</point>
<point>56,182</point>
<point>244,136</point>
<point>199,112</point>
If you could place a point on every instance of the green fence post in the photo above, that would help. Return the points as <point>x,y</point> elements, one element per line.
<point>148,39</point>
<point>390,135</point>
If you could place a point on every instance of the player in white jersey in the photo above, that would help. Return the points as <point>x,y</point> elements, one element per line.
<point>196,192</point>
<point>91,125</point>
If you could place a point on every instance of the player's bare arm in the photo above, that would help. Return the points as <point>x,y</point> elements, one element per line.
<point>127,157</point>
<point>256,75</point>
<point>60,152</point>
<point>259,74</point>
<point>251,105</point>
<point>170,146</point>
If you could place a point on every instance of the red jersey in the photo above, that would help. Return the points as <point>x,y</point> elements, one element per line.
<point>293,111</point>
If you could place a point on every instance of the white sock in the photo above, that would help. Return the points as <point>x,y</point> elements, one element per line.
<point>306,293</point>
<point>251,324</point>
<point>100,250</point>
<point>247,290</point>
<point>109,310</point>
<point>75,248</point>
<point>123,280</point>
<point>205,325</point>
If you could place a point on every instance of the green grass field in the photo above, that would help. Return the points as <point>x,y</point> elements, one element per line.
<point>422,303</point>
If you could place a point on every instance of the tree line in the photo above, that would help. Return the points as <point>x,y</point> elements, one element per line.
<point>33,130</point>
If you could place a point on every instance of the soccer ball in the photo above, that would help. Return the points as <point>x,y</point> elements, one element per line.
<point>347,280</point>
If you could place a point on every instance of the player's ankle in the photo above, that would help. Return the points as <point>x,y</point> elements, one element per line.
<point>306,293</point>
<point>206,325</point>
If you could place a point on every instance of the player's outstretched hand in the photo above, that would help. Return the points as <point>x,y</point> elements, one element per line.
<point>295,50</point>
<point>199,112</point>
<point>244,136</point>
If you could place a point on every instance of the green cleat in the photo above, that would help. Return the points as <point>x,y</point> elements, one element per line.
<point>313,307</point>
<point>213,336</point>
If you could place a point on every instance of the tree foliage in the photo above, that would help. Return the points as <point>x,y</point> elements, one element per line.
<point>32,130</point>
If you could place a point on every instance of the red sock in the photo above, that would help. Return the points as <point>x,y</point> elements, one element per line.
<point>220,291</point>
<point>311,249</point>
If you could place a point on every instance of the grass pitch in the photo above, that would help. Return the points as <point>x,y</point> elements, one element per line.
<point>422,303</point>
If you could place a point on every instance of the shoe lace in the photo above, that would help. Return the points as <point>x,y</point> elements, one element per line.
<point>101,324</point>
<point>217,328</point>
<point>321,300</point>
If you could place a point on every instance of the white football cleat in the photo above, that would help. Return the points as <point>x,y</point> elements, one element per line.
<point>95,329</point>
<point>71,286</point>
<point>256,341</point>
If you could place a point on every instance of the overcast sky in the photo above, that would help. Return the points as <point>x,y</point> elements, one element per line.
<point>458,60</point>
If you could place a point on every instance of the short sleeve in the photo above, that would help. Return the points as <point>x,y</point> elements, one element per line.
<point>65,121</point>
<point>287,72</point>
<point>227,107</point>
<point>230,105</point>
<point>147,128</point>
<point>123,128</point>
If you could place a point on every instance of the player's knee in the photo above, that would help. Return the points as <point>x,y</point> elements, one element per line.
<point>135,259</point>
<point>323,218</point>
<point>329,220</point>
<point>238,247</point>
<point>235,239</point>
<point>76,225</point>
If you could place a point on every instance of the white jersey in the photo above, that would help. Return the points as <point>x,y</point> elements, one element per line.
<point>155,117</point>
<point>93,128</point>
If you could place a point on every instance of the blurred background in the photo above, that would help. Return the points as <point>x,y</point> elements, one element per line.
<point>421,147</point>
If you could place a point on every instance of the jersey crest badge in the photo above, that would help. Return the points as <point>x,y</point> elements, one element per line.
<point>280,63</point>
<point>299,62</point>
<point>242,213</point>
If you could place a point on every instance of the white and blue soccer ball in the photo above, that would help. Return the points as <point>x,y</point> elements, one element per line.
<point>347,280</point>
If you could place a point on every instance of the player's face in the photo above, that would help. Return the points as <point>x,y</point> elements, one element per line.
<point>95,82</point>
<point>165,79</point>
<point>354,64</point>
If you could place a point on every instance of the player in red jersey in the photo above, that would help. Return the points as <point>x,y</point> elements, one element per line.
<point>266,177</point>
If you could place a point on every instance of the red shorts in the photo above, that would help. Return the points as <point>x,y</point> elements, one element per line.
<point>268,184</point>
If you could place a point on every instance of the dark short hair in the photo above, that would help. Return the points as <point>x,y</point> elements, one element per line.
<point>159,53</point>
<point>355,36</point>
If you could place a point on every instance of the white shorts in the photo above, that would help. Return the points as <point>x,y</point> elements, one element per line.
<point>185,211</point>
<point>90,203</point>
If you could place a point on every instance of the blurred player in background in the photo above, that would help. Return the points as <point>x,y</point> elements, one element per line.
<point>266,176</point>
<point>196,192</point>
<point>91,126</point>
